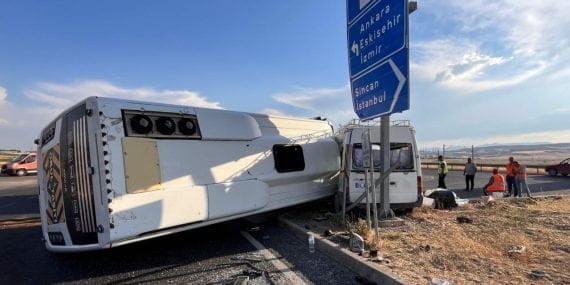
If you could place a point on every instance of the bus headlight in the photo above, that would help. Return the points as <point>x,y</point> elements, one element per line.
<point>141,124</point>
<point>56,238</point>
<point>165,125</point>
<point>159,125</point>
<point>186,126</point>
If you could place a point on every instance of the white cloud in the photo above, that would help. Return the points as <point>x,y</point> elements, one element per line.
<point>64,95</point>
<point>3,95</point>
<point>561,136</point>
<point>563,74</point>
<point>274,112</point>
<point>332,103</point>
<point>503,43</point>
<point>20,123</point>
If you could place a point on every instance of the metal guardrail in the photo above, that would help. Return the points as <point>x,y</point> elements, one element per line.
<point>531,169</point>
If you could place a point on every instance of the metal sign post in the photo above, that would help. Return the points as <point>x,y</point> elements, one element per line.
<point>368,163</point>
<point>385,210</point>
<point>367,190</point>
<point>374,201</point>
<point>378,56</point>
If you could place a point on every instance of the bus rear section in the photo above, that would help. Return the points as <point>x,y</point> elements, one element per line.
<point>118,171</point>
<point>405,190</point>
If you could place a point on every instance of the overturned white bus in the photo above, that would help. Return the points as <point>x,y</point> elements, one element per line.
<point>112,171</point>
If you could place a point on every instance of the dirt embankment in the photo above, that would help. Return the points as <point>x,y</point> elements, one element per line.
<point>505,242</point>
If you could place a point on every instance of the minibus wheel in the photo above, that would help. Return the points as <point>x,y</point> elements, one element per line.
<point>21,172</point>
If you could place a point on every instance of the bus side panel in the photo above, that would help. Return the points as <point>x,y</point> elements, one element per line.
<point>226,199</point>
<point>139,213</point>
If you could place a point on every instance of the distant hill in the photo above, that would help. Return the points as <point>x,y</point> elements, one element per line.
<point>539,153</point>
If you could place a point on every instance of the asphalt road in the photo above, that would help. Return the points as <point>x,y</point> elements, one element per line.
<point>18,196</point>
<point>212,255</point>
<point>538,184</point>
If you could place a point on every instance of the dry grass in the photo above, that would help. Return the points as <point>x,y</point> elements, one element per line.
<point>477,253</point>
<point>6,157</point>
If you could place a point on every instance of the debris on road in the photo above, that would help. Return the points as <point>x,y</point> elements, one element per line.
<point>464,220</point>
<point>444,199</point>
<point>241,280</point>
<point>537,274</point>
<point>356,243</point>
<point>517,249</point>
<point>252,274</point>
<point>320,218</point>
<point>254,229</point>
<point>425,248</point>
<point>438,281</point>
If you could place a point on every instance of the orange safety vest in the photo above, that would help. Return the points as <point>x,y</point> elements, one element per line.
<point>521,172</point>
<point>498,184</point>
<point>510,170</point>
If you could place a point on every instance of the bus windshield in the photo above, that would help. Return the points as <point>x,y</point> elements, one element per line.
<point>399,152</point>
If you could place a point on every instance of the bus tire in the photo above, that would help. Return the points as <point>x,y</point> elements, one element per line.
<point>21,172</point>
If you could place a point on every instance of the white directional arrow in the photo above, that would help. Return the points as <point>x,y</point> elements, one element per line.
<point>401,81</point>
<point>355,49</point>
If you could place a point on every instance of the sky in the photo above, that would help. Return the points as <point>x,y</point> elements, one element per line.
<point>481,72</point>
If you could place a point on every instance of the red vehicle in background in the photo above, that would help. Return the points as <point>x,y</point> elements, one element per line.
<point>23,164</point>
<point>562,168</point>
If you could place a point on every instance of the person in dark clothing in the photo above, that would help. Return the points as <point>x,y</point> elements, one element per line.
<point>442,172</point>
<point>469,172</point>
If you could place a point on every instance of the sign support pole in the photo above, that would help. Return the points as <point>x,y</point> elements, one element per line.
<point>367,188</point>
<point>374,201</point>
<point>385,210</point>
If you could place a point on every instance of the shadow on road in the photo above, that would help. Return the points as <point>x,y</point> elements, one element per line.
<point>193,256</point>
<point>19,205</point>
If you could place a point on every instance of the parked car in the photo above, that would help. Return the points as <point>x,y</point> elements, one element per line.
<point>23,164</point>
<point>562,168</point>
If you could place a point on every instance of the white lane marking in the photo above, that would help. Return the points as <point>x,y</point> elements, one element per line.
<point>289,274</point>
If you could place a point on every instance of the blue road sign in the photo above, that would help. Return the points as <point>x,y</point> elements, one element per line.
<point>377,32</point>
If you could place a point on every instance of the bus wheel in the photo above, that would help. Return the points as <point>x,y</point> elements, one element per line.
<point>21,172</point>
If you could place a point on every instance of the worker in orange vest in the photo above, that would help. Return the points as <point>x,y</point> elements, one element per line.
<point>520,180</point>
<point>496,183</point>
<point>511,176</point>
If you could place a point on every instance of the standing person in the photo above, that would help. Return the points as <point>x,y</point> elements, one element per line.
<point>511,174</point>
<point>442,172</point>
<point>520,179</point>
<point>496,183</point>
<point>469,172</point>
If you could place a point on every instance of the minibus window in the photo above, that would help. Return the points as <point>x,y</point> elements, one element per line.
<point>19,158</point>
<point>399,152</point>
